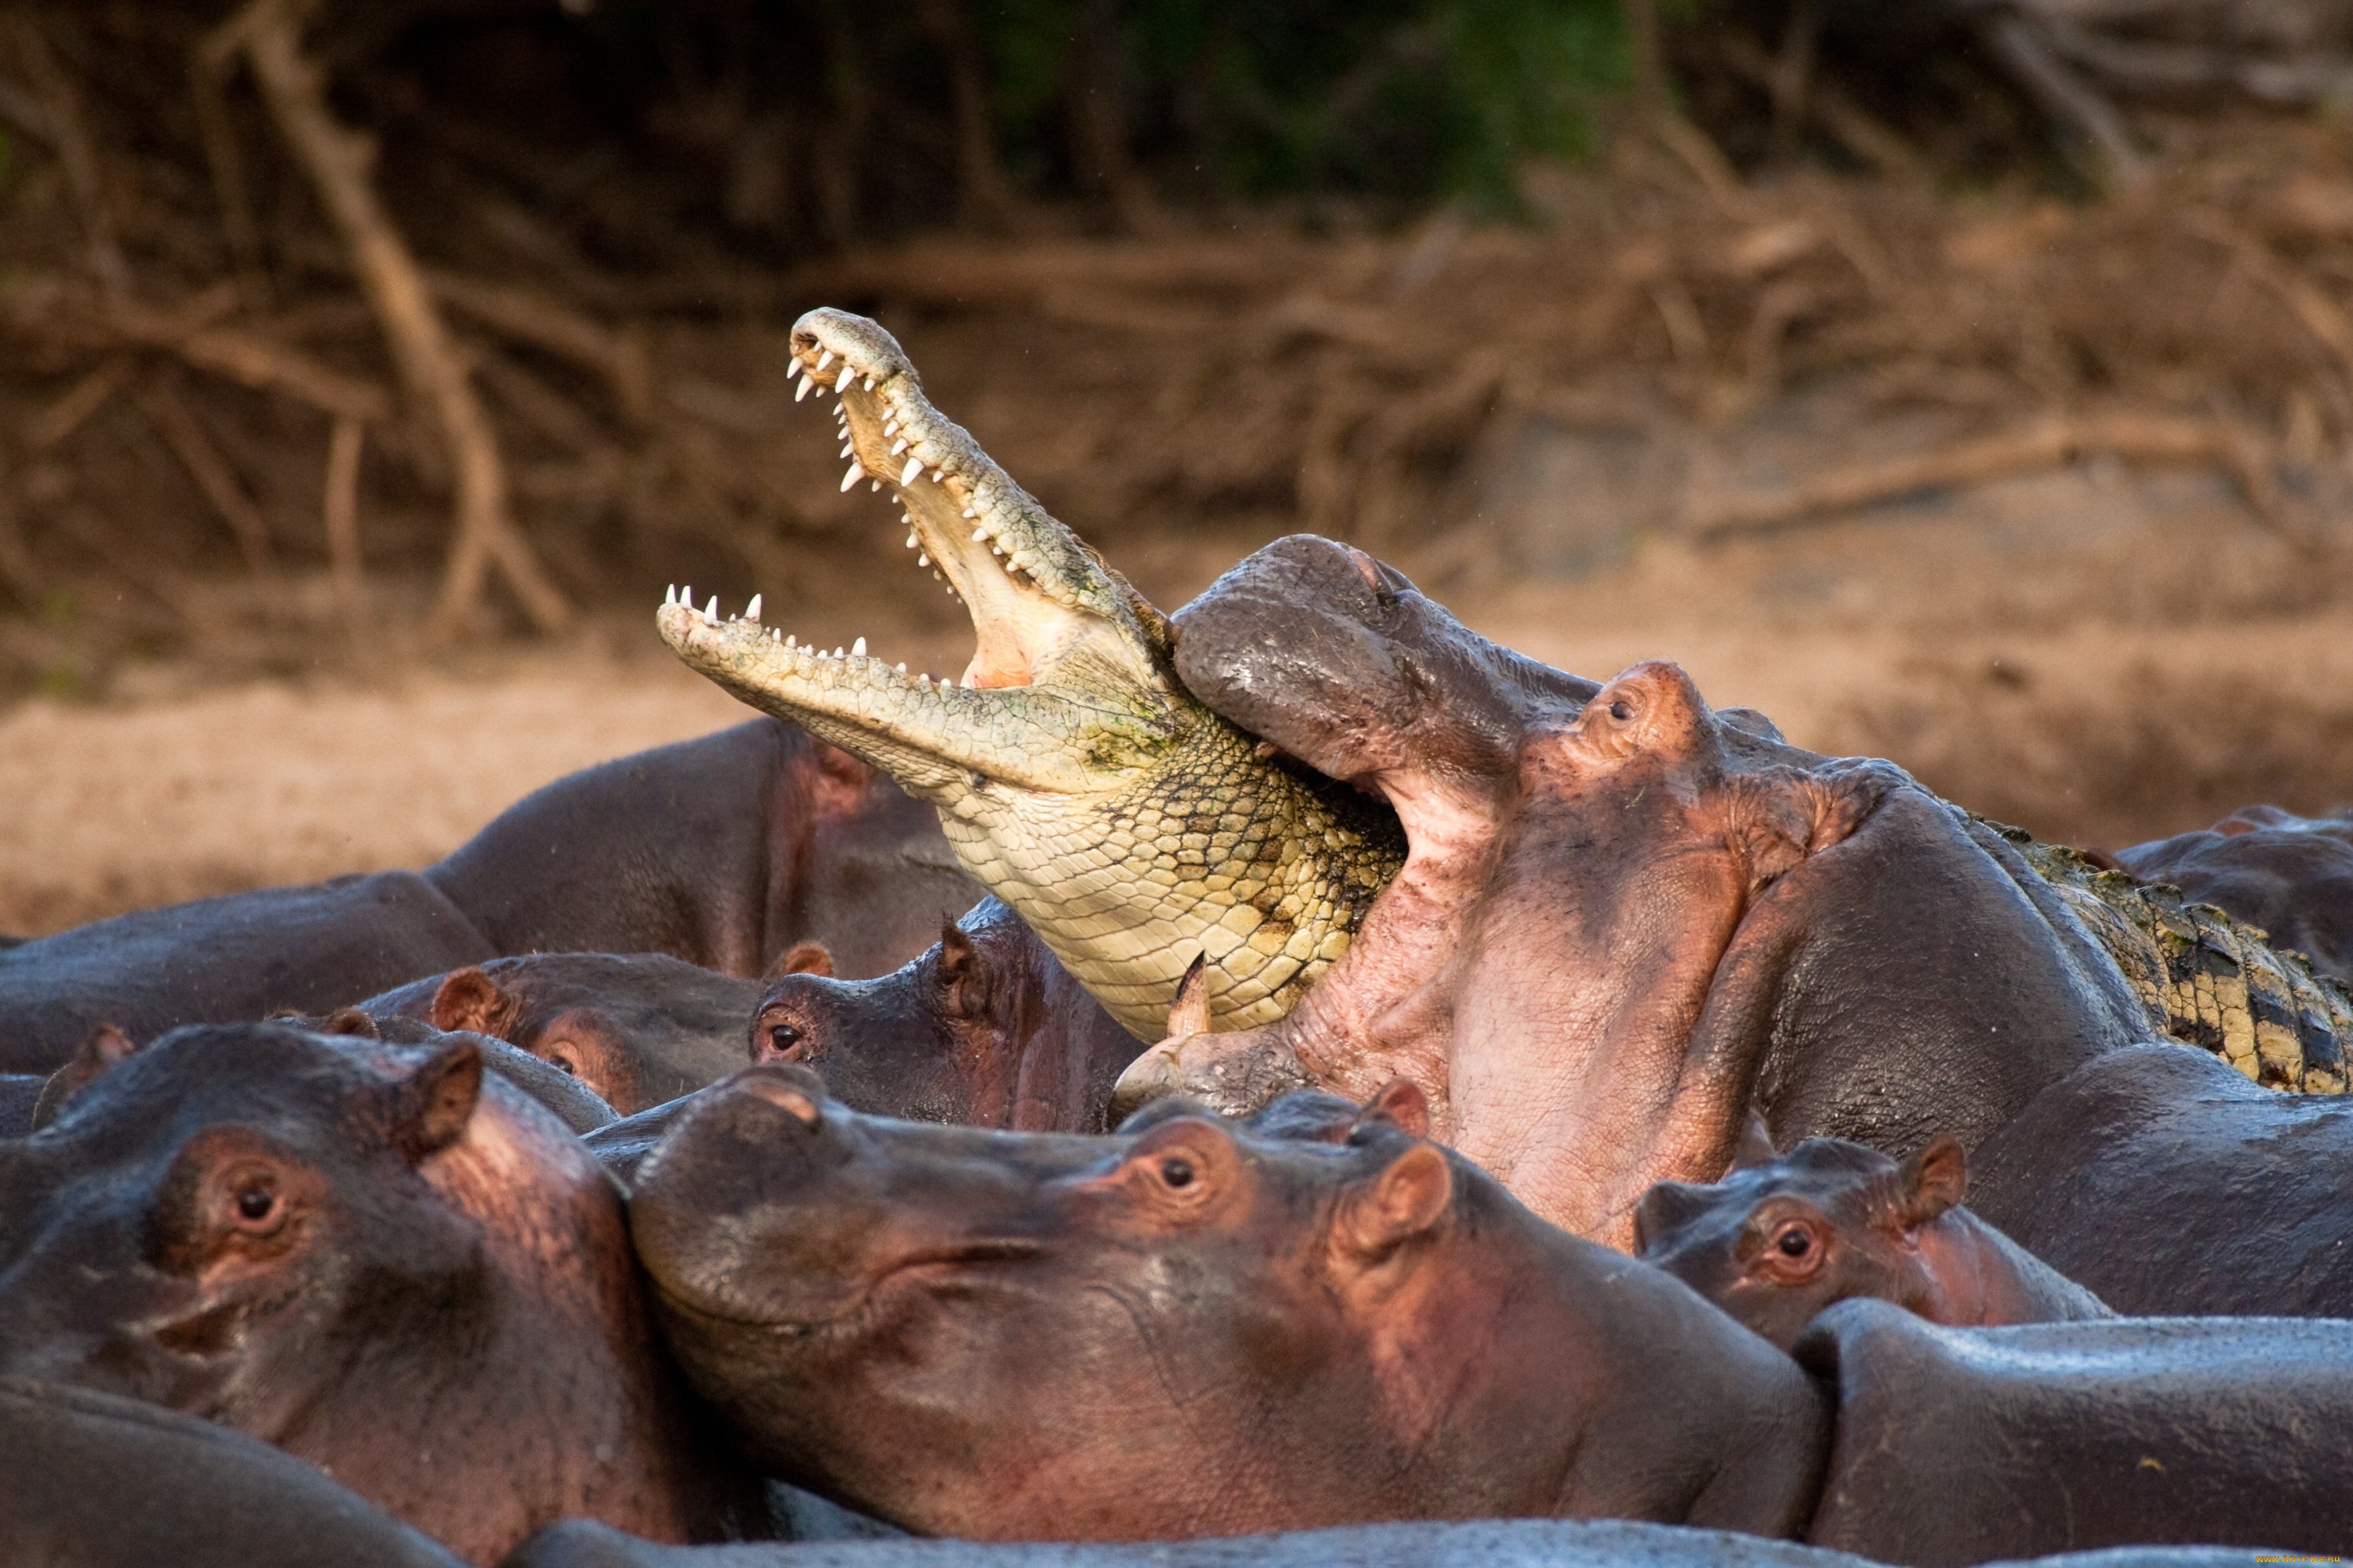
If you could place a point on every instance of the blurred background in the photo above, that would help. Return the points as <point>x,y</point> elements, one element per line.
<point>1967,382</point>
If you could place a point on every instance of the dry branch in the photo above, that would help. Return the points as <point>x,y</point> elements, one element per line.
<point>76,405</point>
<point>251,361</point>
<point>211,471</point>
<point>2045,444</point>
<point>342,507</point>
<point>337,160</point>
<point>617,357</point>
<point>68,137</point>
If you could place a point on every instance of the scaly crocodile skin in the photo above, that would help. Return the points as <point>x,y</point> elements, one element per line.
<point>2206,979</point>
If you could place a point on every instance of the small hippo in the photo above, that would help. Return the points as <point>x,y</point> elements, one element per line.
<point>1784,1235</point>
<point>988,1029</point>
<point>1188,1329</point>
<point>96,1482</point>
<point>1194,1327</point>
<point>637,1029</point>
<point>2291,875</point>
<point>371,1257</point>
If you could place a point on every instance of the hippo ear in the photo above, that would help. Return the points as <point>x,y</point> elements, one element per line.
<point>1188,1014</point>
<point>102,1048</point>
<point>472,1001</point>
<point>1756,1143</point>
<point>803,958</point>
<point>1402,1104</point>
<point>1408,1199</point>
<point>962,974</point>
<point>351,1021</point>
<point>1933,1180</point>
<point>431,1106</point>
<point>1666,1209</point>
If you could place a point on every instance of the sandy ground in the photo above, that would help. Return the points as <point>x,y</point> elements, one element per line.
<point>2101,659</point>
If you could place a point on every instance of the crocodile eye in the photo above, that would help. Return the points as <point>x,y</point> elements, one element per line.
<point>1177,1171</point>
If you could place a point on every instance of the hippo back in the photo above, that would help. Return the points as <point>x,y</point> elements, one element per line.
<point>175,1489</point>
<point>2062,1436</point>
<point>226,959</point>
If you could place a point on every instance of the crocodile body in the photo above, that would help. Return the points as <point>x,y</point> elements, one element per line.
<point>1134,830</point>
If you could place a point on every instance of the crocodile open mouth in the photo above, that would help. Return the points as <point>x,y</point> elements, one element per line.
<point>1042,604</point>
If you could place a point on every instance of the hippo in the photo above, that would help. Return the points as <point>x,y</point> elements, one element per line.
<point>2291,875</point>
<point>637,1029</point>
<point>19,1093</point>
<point>986,1028</point>
<point>1626,918</point>
<point>372,1257</point>
<point>1483,1543</point>
<point>94,1480</point>
<point>1197,1326</point>
<point>724,852</point>
<point>1784,1235</point>
<point>1185,1330</point>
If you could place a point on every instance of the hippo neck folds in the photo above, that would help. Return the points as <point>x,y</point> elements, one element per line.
<point>1075,777</point>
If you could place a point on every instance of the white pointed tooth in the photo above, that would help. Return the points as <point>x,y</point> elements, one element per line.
<point>848,447</point>
<point>891,425</point>
<point>825,359</point>
<point>997,550</point>
<point>671,596</point>
<point>852,477</point>
<point>776,637</point>
<point>912,472</point>
<point>848,375</point>
<point>923,558</point>
<point>869,384</point>
<point>836,653</point>
<point>899,445</point>
<point>925,679</point>
<point>978,534</point>
<point>788,639</point>
<point>965,683</point>
<point>710,612</point>
<point>910,540</point>
<point>858,649</point>
<point>902,667</point>
<point>751,610</point>
<point>970,512</point>
<point>802,389</point>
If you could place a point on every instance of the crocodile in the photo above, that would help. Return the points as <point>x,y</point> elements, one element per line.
<point>1134,828</point>
<point>1074,776</point>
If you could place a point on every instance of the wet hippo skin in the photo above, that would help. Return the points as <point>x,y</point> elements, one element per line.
<point>1955,1446</point>
<point>723,852</point>
<point>986,1028</point>
<point>374,1257</point>
<point>1489,1543</point>
<point>96,1482</point>
<point>1784,1235</point>
<point>2291,875</point>
<point>637,1029</point>
<point>1189,1328</point>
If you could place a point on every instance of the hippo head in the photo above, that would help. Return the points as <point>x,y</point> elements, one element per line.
<point>170,1244</point>
<point>359,1252</point>
<point>1782,1237</point>
<point>986,1029</point>
<point>1623,915</point>
<point>993,1334</point>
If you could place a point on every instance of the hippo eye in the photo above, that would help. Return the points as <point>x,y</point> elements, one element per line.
<point>1177,1171</point>
<point>1795,1241</point>
<point>560,1060</point>
<point>1621,711</point>
<point>784,1037</point>
<point>255,1204</point>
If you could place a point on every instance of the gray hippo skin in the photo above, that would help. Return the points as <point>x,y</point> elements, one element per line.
<point>724,852</point>
<point>637,1028</point>
<point>376,1258</point>
<point>1487,1543</point>
<point>1955,1446</point>
<point>2291,875</point>
<point>96,1482</point>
